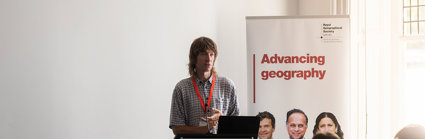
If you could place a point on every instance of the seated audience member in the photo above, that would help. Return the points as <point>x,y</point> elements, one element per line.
<point>267,125</point>
<point>411,132</point>
<point>327,135</point>
<point>326,122</point>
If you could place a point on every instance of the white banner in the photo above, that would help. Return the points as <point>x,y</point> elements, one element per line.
<point>299,62</point>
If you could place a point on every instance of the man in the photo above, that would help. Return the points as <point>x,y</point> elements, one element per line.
<point>327,135</point>
<point>296,123</point>
<point>204,96</point>
<point>413,131</point>
<point>267,125</point>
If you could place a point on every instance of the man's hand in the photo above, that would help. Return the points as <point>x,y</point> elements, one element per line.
<point>213,120</point>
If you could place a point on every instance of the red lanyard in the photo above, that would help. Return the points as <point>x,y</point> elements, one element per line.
<point>199,94</point>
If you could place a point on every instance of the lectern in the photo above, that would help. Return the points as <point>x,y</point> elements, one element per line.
<point>231,127</point>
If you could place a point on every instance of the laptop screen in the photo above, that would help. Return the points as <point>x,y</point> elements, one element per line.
<point>247,125</point>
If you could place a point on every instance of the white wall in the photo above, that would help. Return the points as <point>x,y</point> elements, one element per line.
<point>272,7</point>
<point>94,69</point>
<point>106,69</point>
<point>322,7</point>
<point>315,7</point>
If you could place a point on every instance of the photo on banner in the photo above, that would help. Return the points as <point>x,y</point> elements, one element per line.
<point>299,62</point>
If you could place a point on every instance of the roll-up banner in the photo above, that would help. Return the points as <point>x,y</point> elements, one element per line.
<point>299,62</point>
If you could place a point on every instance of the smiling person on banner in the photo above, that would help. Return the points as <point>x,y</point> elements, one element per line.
<point>296,123</point>
<point>267,125</point>
<point>199,101</point>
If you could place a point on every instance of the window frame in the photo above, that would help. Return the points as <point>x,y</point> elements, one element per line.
<point>411,22</point>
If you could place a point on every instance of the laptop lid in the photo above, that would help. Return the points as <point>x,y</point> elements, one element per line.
<point>243,125</point>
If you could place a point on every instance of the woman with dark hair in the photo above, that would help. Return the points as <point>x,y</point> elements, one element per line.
<point>326,122</point>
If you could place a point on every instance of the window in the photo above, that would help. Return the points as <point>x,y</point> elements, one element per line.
<point>413,17</point>
<point>414,34</point>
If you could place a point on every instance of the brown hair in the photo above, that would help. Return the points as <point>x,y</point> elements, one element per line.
<point>268,115</point>
<point>334,120</point>
<point>201,44</point>
<point>326,136</point>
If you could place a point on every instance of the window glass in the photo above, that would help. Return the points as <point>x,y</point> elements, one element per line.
<point>414,13</point>
<point>422,27</point>
<point>422,13</point>
<point>414,27</point>
<point>414,2</point>
<point>406,14</point>
<point>406,2</point>
<point>421,2</point>
<point>407,28</point>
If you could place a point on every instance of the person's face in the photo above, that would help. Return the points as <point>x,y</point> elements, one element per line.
<point>327,125</point>
<point>296,125</point>
<point>266,129</point>
<point>205,61</point>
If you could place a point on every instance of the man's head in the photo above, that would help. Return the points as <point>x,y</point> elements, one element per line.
<point>296,123</point>
<point>202,55</point>
<point>411,132</point>
<point>327,135</point>
<point>267,125</point>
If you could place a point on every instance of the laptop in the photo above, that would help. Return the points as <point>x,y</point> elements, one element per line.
<point>238,125</point>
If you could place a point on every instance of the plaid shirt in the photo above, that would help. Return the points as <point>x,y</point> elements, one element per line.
<point>186,108</point>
